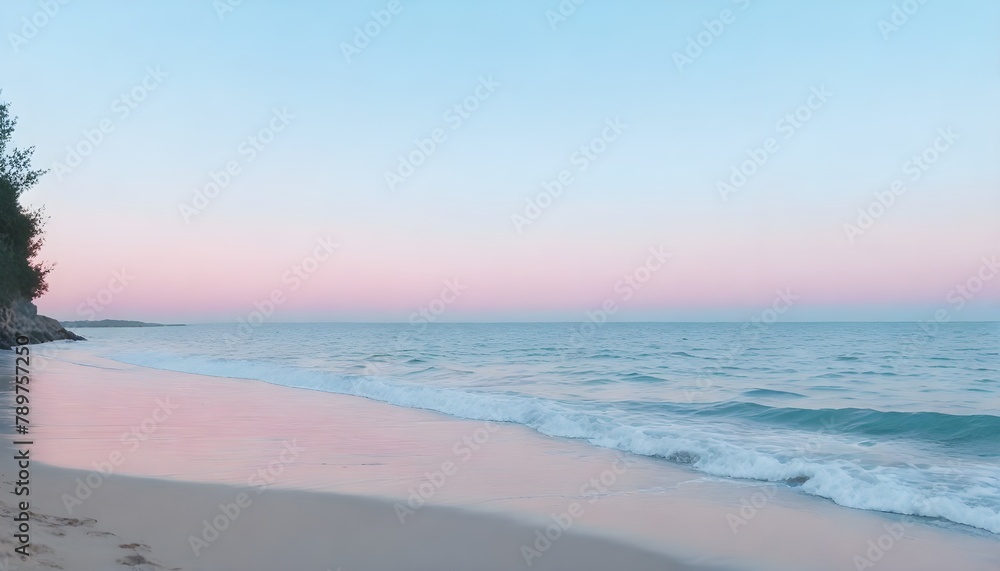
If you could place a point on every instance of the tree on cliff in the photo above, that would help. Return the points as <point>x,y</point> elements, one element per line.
<point>21,274</point>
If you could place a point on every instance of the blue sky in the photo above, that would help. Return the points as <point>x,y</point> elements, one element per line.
<point>557,86</point>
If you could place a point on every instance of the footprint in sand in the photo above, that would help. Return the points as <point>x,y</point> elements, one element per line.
<point>56,521</point>
<point>100,533</point>
<point>136,560</point>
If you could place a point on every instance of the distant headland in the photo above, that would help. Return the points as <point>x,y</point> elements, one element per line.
<point>116,323</point>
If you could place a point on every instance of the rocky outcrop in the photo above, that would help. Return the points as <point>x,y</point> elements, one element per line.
<point>21,318</point>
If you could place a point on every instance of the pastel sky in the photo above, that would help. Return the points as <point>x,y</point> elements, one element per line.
<point>535,88</point>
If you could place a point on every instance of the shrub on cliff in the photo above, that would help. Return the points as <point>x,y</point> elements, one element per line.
<point>21,274</point>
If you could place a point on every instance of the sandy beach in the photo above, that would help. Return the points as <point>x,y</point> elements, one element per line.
<point>149,524</point>
<point>161,470</point>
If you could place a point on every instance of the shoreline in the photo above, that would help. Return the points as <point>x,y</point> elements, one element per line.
<point>198,433</point>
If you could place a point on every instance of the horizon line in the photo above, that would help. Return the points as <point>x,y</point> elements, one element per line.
<point>519,322</point>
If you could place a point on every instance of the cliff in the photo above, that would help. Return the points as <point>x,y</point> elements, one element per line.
<point>21,318</point>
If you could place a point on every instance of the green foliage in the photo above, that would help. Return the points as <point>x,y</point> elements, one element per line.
<point>21,275</point>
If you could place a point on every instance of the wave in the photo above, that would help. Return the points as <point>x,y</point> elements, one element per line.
<point>977,430</point>
<point>640,378</point>
<point>771,393</point>
<point>685,354</point>
<point>844,481</point>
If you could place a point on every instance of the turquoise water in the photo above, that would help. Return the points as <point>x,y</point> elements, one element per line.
<point>877,416</point>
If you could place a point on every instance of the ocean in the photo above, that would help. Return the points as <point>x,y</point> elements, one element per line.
<point>890,417</point>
